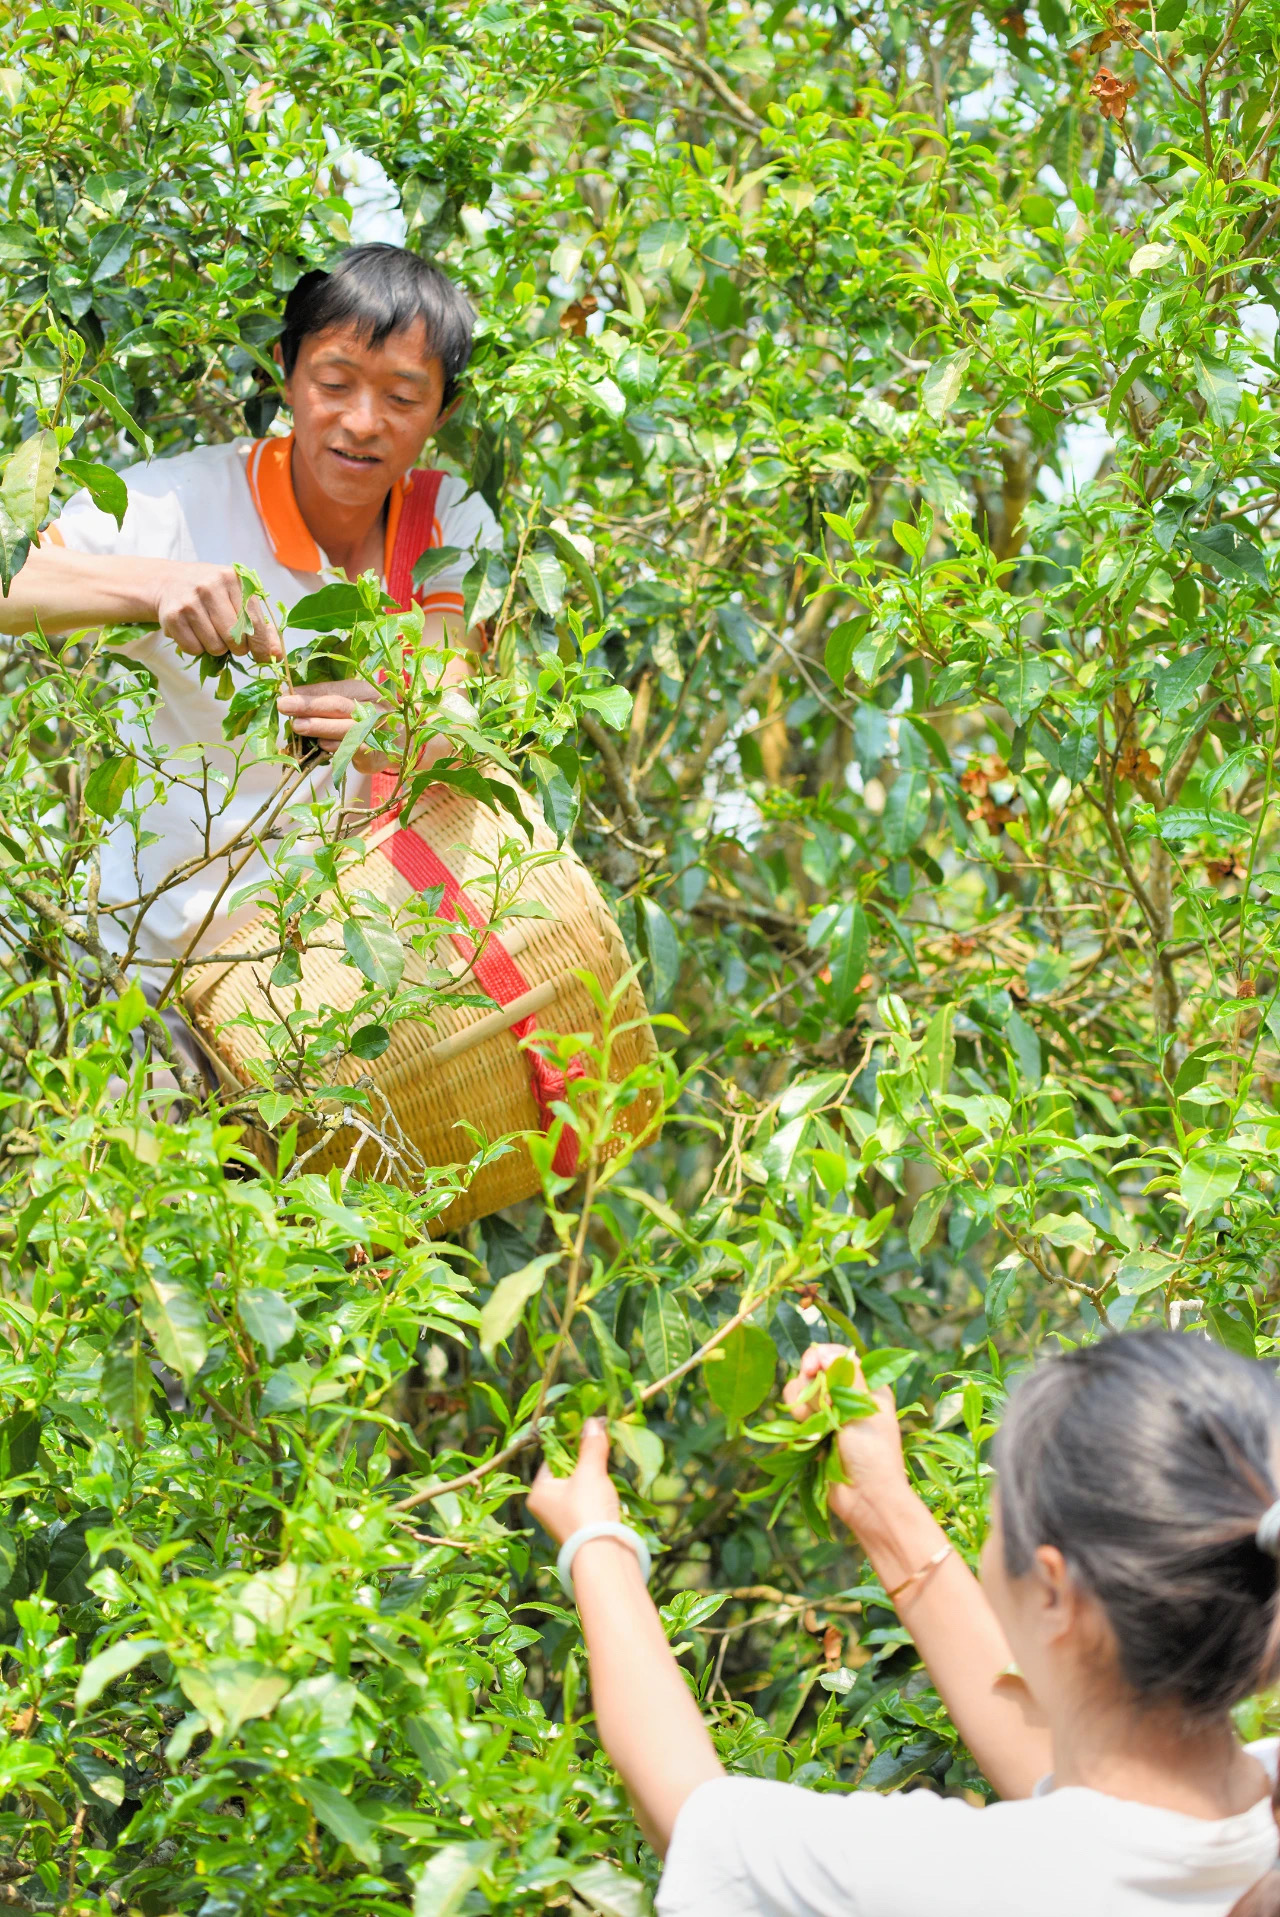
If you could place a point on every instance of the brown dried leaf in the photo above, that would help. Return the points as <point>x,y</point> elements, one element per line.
<point>1113,95</point>
<point>1135,762</point>
<point>574,318</point>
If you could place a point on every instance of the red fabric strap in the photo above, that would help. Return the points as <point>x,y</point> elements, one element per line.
<point>414,535</point>
<point>496,973</point>
<point>495,970</point>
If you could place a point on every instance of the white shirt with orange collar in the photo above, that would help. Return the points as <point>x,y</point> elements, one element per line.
<point>231,504</point>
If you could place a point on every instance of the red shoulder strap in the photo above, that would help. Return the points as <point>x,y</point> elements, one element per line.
<point>496,972</point>
<point>415,534</point>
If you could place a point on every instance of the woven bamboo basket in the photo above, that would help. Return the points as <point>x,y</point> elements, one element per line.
<point>465,1063</point>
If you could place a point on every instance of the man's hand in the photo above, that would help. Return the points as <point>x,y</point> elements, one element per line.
<point>870,1448</point>
<point>587,1496</point>
<point>199,608</point>
<point>326,714</point>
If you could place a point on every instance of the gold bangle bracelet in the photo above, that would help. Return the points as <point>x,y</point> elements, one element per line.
<point>939,1557</point>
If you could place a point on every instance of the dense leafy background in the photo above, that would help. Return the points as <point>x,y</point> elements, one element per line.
<point>903,381</point>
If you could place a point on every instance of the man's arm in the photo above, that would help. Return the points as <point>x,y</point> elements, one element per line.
<point>196,605</point>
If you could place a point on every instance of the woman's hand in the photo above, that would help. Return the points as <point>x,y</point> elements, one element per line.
<point>946,1611</point>
<point>870,1448</point>
<point>587,1496</point>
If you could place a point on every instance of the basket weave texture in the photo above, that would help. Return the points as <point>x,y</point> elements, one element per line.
<point>437,1071</point>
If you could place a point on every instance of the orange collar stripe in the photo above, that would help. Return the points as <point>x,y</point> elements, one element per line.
<point>270,473</point>
<point>270,476</point>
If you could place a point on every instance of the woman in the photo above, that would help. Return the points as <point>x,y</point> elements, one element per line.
<point>1131,1574</point>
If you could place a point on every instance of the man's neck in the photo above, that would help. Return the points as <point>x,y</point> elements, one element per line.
<point>350,537</point>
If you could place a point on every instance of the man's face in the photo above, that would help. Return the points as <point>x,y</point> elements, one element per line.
<point>362,414</point>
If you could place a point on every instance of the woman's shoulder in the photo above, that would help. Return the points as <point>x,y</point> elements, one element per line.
<point>761,1849</point>
<point>744,1847</point>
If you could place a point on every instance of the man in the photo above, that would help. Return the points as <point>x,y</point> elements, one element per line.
<point>371,356</point>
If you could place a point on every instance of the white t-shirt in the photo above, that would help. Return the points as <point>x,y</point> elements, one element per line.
<point>746,1848</point>
<point>225,504</point>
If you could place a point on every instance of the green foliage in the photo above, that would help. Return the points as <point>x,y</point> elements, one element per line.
<point>927,756</point>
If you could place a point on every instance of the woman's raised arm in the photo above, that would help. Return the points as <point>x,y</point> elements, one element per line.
<point>648,1722</point>
<point>934,1592</point>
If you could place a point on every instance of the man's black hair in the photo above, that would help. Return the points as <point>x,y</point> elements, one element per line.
<point>381,290</point>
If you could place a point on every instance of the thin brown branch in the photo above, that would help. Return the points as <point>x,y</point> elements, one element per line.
<point>617,774</point>
<point>110,968</point>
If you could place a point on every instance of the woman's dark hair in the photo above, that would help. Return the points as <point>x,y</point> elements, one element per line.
<point>381,290</point>
<point>1148,1460</point>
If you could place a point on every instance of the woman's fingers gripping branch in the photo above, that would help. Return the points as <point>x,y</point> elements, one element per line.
<point>799,1392</point>
<point>587,1496</point>
<point>870,1447</point>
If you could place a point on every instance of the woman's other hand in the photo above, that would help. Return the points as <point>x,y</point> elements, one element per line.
<point>646,1717</point>
<point>870,1448</point>
<point>587,1496</point>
